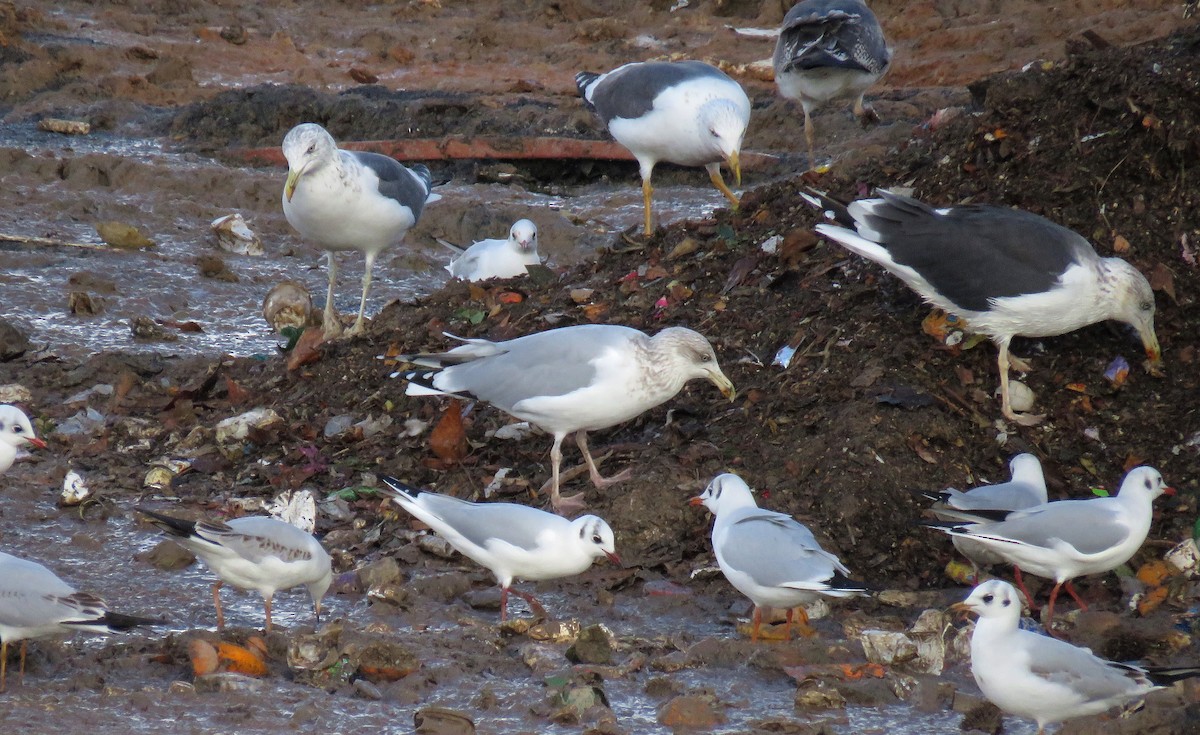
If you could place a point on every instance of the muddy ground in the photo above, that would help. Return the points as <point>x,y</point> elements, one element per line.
<point>1103,139</point>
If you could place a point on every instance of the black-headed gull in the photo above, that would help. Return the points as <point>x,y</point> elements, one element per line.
<point>35,603</point>
<point>770,557</point>
<point>512,541</point>
<point>1065,539</point>
<point>349,200</point>
<point>1045,679</point>
<point>253,553</point>
<point>829,49</point>
<point>1007,272</point>
<point>498,258</point>
<point>685,112</point>
<point>571,379</point>
<point>15,432</point>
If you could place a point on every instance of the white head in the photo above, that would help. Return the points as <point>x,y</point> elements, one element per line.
<point>307,147</point>
<point>15,428</point>
<point>725,492</point>
<point>523,235</point>
<point>1026,468</point>
<point>1132,302</point>
<point>596,538</point>
<point>724,121</point>
<point>994,600</point>
<point>1144,481</point>
<point>687,355</point>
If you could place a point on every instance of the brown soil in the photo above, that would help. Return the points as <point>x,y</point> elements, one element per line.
<point>1103,140</point>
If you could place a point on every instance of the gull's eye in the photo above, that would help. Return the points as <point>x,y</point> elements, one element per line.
<point>987,599</point>
<point>597,540</point>
<point>312,147</point>
<point>1146,306</point>
<point>18,429</point>
<point>706,358</point>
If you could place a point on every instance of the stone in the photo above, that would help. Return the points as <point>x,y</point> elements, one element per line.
<point>167,556</point>
<point>691,712</point>
<point>594,646</point>
<point>442,721</point>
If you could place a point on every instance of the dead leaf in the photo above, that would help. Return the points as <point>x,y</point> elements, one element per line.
<point>655,272</point>
<point>686,247</point>
<point>1120,245</point>
<point>740,271</point>
<point>237,394</point>
<point>448,440</point>
<point>595,312</point>
<point>917,443</point>
<point>1162,279</point>
<point>307,349</point>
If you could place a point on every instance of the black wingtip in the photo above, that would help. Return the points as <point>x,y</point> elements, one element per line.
<point>937,496</point>
<point>1166,676</point>
<point>843,583</point>
<point>117,621</point>
<point>583,80</point>
<point>396,488</point>
<point>169,524</point>
<point>423,173</point>
<point>835,209</point>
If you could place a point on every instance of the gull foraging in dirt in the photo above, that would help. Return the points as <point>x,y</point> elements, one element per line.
<point>349,200</point>
<point>1026,489</point>
<point>770,557</point>
<point>497,258</point>
<point>35,603</point>
<point>685,112</point>
<point>571,379</point>
<point>512,541</point>
<point>1008,273</point>
<point>1065,539</point>
<point>829,49</point>
<point>15,432</point>
<point>1045,679</point>
<point>253,553</point>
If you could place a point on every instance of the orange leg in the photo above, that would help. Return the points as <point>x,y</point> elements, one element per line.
<point>217,602</point>
<point>757,622</point>
<point>1021,586</point>
<point>1071,589</point>
<point>1050,609</point>
<point>267,605</point>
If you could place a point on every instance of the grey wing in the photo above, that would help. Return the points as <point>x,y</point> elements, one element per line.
<point>831,34</point>
<point>256,538</point>
<point>31,595</point>
<point>1086,525</point>
<point>975,253</point>
<point>1006,496</point>
<point>629,91</point>
<point>1093,678</point>
<point>775,550</point>
<point>480,523</point>
<point>408,186</point>
<point>551,363</point>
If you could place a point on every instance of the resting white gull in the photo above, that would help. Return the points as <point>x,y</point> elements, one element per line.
<point>513,541</point>
<point>498,258</point>
<point>1044,679</point>
<point>253,553</point>
<point>1026,489</point>
<point>827,50</point>
<point>571,380</point>
<point>1065,539</point>
<point>770,557</point>
<point>349,200</point>
<point>35,603</point>
<point>15,432</point>
<point>1007,272</point>
<point>685,112</point>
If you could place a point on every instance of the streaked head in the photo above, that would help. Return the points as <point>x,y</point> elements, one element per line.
<point>596,536</point>
<point>524,235</point>
<point>692,356</point>
<point>305,147</point>
<point>1132,302</point>
<point>726,491</point>
<point>994,599</point>
<point>1145,481</point>
<point>15,428</point>
<point>724,121</point>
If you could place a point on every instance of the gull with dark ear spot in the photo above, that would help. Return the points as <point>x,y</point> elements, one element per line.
<point>571,380</point>
<point>1045,679</point>
<point>496,258</point>
<point>686,112</point>
<point>15,432</point>
<point>349,200</point>
<point>512,541</point>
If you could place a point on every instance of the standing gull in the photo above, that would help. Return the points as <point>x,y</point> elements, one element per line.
<point>1008,273</point>
<point>1066,539</point>
<point>253,553</point>
<point>348,200</point>
<point>571,380</point>
<point>497,258</point>
<point>685,112</point>
<point>768,556</point>
<point>1044,679</point>
<point>512,541</point>
<point>1026,489</point>
<point>35,603</point>
<point>829,49</point>
<point>15,432</point>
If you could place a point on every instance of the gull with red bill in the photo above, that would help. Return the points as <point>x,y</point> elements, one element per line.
<point>15,432</point>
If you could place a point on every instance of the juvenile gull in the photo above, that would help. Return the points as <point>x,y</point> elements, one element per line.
<point>35,603</point>
<point>1008,273</point>
<point>349,200</point>
<point>499,258</point>
<point>512,541</point>
<point>1045,679</point>
<point>685,112</point>
<point>253,553</point>
<point>1065,539</point>
<point>571,380</point>
<point>770,557</point>
<point>15,432</point>
<point>829,49</point>
<point>1026,489</point>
